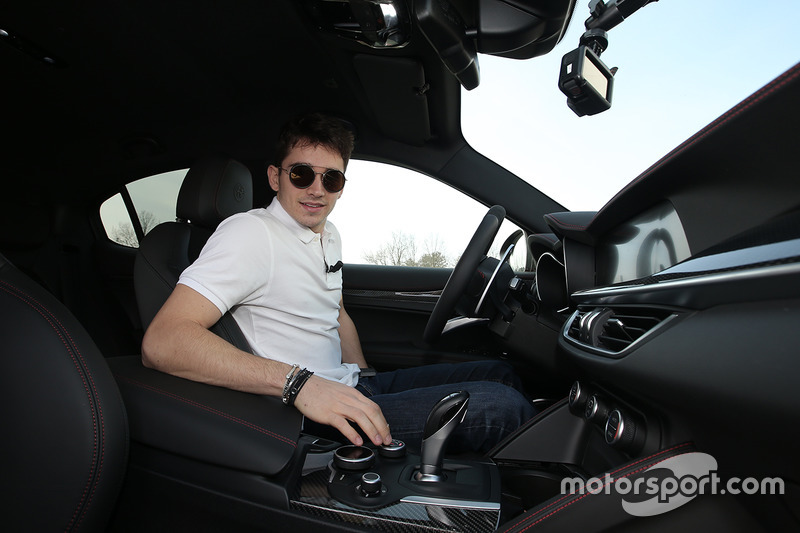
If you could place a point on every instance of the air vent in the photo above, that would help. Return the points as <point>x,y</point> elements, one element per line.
<point>612,331</point>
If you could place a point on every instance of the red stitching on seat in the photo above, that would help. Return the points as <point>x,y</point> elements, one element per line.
<point>625,467</point>
<point>211,410</point>
<point>97,464</point>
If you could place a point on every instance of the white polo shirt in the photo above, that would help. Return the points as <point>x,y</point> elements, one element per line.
<point>270,270</point>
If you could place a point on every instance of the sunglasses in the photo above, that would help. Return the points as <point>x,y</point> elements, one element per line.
<point>302,175</point>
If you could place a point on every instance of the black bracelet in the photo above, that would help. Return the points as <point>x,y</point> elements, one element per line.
<point>290,376</point>
<point>297,383</point>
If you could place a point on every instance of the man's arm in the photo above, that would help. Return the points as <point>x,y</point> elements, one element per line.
<point>179,342</point>
<point>348,335</point>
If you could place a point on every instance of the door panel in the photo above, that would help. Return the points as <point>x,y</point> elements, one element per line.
<point>390,306</point>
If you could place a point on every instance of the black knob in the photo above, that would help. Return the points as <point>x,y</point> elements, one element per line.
<point>615,427</point>
<point>624,431</point>
<point>596,410</point>
<point>371,485</point>
<point>396,449</point>
<point>353,458</point>
<point>578,397</point>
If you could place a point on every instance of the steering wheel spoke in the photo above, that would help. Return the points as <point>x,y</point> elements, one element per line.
<point>462,273</point>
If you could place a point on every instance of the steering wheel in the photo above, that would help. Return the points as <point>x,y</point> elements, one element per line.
<point>463,272</point>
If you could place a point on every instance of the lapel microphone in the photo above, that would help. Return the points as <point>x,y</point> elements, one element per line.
<point>335,268</point>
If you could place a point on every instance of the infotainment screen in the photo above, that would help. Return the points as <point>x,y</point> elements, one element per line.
<point>648,243</point>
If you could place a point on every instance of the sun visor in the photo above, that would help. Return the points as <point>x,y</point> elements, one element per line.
<point>400,81</point>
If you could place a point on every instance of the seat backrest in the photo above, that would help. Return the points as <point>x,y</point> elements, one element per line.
<point>65,434</point>
<point>213,189</point>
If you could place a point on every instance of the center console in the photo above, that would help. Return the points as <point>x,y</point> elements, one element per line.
<point>387,488</point>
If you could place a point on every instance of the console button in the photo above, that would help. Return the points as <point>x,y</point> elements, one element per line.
<point>596,410</point>
<point>371,485</point>
<point>577,398</point>
<point>615,427</point>
<point>353,458</point>
<point>395,449</point>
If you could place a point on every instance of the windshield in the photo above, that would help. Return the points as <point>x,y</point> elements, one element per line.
<point>682,63</point>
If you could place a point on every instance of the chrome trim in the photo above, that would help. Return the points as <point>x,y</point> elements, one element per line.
<point>423,294</point>
<point>462,322</point>
<point>458,504</point>
<point>688,282</point>
<point>620,428</point>
<point>600,351</point>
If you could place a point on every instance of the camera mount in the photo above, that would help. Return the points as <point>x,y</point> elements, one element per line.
<point>586,81</point>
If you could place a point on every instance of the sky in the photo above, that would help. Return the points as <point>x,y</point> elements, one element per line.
<point>682,63</point>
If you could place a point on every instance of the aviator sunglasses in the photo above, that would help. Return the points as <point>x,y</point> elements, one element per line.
<point>302,176</point>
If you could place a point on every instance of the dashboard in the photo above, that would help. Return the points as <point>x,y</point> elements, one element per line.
<point>648,243</point>
<point>680,299</point>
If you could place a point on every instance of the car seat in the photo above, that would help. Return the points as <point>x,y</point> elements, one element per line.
<point>65,433</point>
<point>214,188</point>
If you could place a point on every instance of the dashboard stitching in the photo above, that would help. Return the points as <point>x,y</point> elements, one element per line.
<point>754,99</point>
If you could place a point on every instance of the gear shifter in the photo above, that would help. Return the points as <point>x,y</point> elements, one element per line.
<point>443,419</point>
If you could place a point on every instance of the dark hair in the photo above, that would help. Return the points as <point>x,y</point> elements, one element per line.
<point>315,129</point>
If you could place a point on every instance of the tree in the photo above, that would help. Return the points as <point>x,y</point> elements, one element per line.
<point>124,234</point>
<point>433,259</point>
<point>401,250</point>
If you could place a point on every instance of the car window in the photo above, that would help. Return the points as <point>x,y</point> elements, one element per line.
<point>663,94</point>
<point>389,215</point>
<point>154,199</point>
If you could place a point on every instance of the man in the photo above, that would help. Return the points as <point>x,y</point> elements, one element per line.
<point>279,270</point>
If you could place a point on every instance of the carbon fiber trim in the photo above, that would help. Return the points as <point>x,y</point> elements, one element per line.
<point>399,517</point>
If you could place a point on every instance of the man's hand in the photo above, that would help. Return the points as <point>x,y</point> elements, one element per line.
<point>332,403</point>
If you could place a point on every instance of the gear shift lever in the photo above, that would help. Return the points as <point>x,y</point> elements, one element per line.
<point>443,419</point>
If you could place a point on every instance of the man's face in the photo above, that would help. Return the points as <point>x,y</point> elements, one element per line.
<point>310,207</point>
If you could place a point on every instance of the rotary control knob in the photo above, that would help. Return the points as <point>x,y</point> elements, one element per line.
<point>371,485</point>
<point>395,450</point>
<point>577,399</point>
<point>624,431</point>
<point>615,427</point>
<point>353,458</point>
<point>596,410</point>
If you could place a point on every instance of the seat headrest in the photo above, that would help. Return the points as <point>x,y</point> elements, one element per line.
<point>214,188</point>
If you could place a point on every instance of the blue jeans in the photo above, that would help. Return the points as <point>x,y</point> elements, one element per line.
<point>497,404</point>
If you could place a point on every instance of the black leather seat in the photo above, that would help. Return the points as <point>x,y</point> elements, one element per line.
<point>184,432</point>
<point>65,435</point>
<point>213,189</point>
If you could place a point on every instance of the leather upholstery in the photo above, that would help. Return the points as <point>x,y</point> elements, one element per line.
<point>65,444</point>
<point>241,431</point>
<point>214,189</point>
<point>212,425</point>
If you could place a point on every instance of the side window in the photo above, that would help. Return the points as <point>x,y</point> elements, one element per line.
<point>153,198</point>
<point>389,215</point>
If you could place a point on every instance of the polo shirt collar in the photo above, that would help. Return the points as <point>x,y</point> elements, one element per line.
<point>305,234</point>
